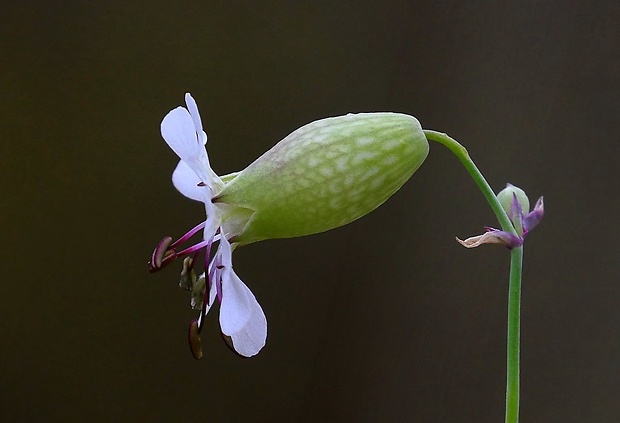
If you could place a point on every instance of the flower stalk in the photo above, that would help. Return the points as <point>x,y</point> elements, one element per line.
<point>461,153</point>
<point>513,347</point>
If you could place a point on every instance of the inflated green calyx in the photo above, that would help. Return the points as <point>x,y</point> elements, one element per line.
<point>325,174</point>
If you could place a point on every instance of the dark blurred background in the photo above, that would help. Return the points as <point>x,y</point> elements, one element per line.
<point>386,319</point>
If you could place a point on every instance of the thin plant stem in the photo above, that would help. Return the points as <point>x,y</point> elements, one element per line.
<point>514,329</point>
<point>461,153</point>
<point>516,265</point>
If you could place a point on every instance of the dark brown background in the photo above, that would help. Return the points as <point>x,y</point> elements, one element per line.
<point>387,319</point>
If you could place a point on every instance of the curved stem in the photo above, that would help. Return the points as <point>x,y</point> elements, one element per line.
<point>516,265</point>
<point>461,153</point>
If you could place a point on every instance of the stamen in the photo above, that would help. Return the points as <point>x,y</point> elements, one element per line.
<point>193,248</point>
<point>160,254</point>
<point>208,284</point>
<point>207,292</point>
<point>194,340</point>
<point>189,234</point>
<point>203,310</point>
<point>165,253</point>
<point>215,275</point>
<point>188,276</point>
<point>218,285</point>
<point>198,294</point>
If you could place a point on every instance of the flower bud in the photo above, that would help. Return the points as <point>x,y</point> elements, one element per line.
<point>324,175</point>
<point>506,196</point>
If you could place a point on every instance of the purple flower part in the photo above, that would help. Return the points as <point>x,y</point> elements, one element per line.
<point>534,217</point>
<point>516,209</point>
<point>492,236</point>
<point>188,235</point>
<point>161,256</point>
<point>165,252</point>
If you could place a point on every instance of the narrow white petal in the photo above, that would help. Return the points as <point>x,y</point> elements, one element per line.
<point>186,181</point>
<point>249,340</point>
<point>193,111</point>
<point>213,221</point>
<point>235,308</point>
<point>241,317</point>
<point>225,250</point>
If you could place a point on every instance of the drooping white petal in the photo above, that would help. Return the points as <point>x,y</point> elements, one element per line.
<point>186,182</point>
<point>241,317</point>
<point>252,337</point>
<point>235,308</point>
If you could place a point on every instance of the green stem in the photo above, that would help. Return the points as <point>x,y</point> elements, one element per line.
<point>516,265</point>
<point>461,153</point>
<point>514,329</point>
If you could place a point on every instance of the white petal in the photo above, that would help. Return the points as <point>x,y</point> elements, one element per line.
<point>186,181</point>
<point>193,111</point>
<point>178,130</point>
<point>241,317</point>
<point>213,221</point>
<point>249,340</point>
<point>225,251</point>
<point>235,308</point>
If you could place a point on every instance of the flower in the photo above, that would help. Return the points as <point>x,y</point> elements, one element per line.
<point>242,319</point>
<point>323,175</point>
<point>515,203</point>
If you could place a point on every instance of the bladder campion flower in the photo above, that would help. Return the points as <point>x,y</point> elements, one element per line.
<point>515,203</point>
<point>324,175</point>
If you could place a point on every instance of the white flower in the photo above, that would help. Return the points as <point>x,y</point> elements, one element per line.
<point>242,321</point>
<point>323,175</point>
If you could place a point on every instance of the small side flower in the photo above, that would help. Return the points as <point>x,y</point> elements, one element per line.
<point>516,205</point>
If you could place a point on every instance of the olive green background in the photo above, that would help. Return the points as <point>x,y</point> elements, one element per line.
<point>386,319</point>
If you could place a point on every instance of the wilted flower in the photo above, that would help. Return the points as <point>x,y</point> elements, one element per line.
<point>515,203</point>
<point>323,175</point>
